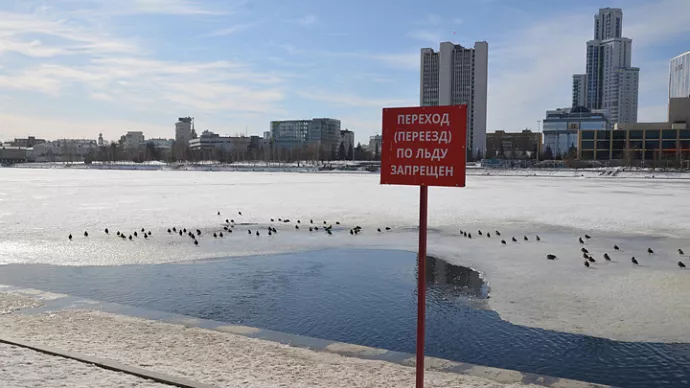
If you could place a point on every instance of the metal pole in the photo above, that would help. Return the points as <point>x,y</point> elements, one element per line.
<point>421,284</point>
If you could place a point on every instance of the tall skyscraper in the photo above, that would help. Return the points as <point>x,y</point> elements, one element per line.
<point>679,76</point>
<point>458,75</point>
<point>579,90</point>
<point>611,83</point>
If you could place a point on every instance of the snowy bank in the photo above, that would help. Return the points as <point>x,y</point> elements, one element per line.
<point>223,359</point>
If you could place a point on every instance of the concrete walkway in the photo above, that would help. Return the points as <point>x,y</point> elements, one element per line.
<point>21,368</point>
<point>226,356</point>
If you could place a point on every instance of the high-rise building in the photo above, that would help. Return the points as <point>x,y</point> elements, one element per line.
<point>579,90</point>
<point>458,75</point>
<point>679,76</point>
<point>611,83</point>
<point>608,23</point>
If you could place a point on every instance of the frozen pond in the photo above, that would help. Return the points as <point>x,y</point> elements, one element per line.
<point>365,297</point>
<point>615,300</point>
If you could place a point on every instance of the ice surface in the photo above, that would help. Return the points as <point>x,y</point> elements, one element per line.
<point>220,359</point>
<point>39,208</point>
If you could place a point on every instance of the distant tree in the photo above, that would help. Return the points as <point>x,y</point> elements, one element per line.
<point>572,152</point>
<point>501,152</point>
<point>334,152</point>
<point>351,152</point>
<point>360,153</point>
<point>152,153</point>
<point>341,151</point>
<point>480,155</point>
<point>113,152</point>
<point>377,152</point>
<point>548,153</point>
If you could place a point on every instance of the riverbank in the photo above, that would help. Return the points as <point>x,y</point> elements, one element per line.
<point>228,355</point>
<point>345,167</point>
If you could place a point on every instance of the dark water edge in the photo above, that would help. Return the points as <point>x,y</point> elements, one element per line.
<point>365,297</point>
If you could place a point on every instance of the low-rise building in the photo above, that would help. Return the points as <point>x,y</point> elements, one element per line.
<point>513,145</point>
<point>642,143</point>
<point>210,145</point>
<point>161,144</point>
<point>12,154</point>
<point>64,150</point>
<point>26,142</point>
<point>133,140</point>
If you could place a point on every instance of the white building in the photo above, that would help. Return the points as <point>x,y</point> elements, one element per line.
<point>374,143</point>
<point>211,142</point>
<point>133,140</point>
<point>458,75</point>
<point>183,130</point>
<point>612,84</point>
<point>679,76</point>
<point>64,150</point>
<point>579,90</point>
<point>347,140</point>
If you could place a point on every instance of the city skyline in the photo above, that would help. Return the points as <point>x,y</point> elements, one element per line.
<point>76,72</point>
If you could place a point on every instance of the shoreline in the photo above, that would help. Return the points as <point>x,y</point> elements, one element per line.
<point>201,350</point>
<point>599,173</point>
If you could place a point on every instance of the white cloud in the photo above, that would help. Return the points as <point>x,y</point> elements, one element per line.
<point>119,72</point>
<point>458,21</point>
<point>167,7</point>
<point>232,29</point>
<point>307,20</point>
<point>76,38</point>
<point>345,100</point>
<point>653,22</point>
<point>22,125</point>
<point>433,38</point>
<point>430,19</point>
<point>363,127</point>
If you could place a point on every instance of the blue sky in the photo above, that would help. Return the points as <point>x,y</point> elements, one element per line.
<point>74,68</point>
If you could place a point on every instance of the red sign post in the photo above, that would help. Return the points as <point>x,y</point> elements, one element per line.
<point>423,146</point>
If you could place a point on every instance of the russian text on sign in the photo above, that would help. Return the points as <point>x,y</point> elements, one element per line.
<point>432,136</point>
<point>435,171</point>
<point>436,154</point>
<point>435,118</point>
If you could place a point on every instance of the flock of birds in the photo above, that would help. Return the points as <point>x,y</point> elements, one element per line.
<point>230,225</point>
<point>589,259</point>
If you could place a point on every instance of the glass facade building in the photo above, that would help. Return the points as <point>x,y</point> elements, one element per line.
<point>561,126</point>
<point>298,133</point>
<point>635,144</point>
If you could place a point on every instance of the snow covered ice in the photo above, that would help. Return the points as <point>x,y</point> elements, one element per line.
<point>40,208</point>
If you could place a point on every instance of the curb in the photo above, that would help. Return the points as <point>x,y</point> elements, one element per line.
<point>110,365</point>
